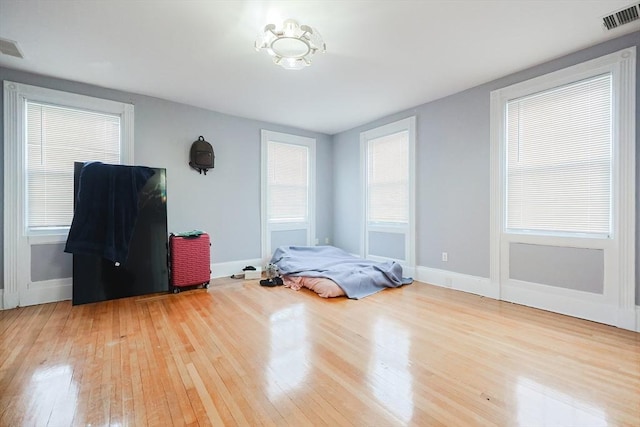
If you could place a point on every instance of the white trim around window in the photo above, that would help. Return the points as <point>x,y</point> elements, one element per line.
<point>18,289</point>
<point>304,222</point>
<point>616,304</point>
<point>405,228</point>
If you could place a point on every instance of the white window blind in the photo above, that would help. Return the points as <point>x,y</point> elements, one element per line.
<point>559,159</point>
<point>388,178</point>
<point>288,182</point>
<point>57,137</point>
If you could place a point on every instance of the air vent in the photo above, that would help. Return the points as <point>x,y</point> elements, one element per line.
<point>621,17</point>
<point>9,47</point>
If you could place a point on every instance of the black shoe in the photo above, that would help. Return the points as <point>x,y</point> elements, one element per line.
<point>267,282</point>
<point>249,267</point>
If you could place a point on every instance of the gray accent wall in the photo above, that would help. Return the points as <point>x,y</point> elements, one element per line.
<point>50,262</point>
<point>388,245</point>
<point>452,164</point>
<point>572,268</point>
<point>288,237</point>
<point>225,202</point>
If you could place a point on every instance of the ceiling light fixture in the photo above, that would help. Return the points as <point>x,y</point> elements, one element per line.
<point>292,46</point>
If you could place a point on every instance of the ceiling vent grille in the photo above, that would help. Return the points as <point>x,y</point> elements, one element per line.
<point>621,17</point>
<point>9,47</point>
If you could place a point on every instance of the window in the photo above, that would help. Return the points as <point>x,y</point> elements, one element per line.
<point>45,131</point>
<point>54,130</point>
<point>388,182</point>
<point>563,182</point>
<point>56,137</point>
<point>288,190</point>
<point>288,182</point>
<point>559,159</point>
<point>388,178</point>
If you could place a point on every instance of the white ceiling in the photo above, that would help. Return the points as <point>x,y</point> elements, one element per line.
<point>382,56</point>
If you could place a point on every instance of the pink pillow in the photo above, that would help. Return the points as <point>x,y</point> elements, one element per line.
<point>326,288</point>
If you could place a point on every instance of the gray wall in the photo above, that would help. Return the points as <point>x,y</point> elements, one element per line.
<point>288,237</point>
<point>50,262</point>
<point>225,202</point>
<point>452,157</point>
<point>572,268</point>
<point>387,245</point>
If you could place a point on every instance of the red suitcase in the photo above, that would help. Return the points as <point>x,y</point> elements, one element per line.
<point>189,259</point>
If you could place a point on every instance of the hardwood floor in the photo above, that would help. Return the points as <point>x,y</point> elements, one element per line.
<point>242,354</point>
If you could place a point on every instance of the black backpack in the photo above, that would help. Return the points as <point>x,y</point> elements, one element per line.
<point>201,157</point>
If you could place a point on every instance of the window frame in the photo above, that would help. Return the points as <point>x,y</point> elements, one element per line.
<point>622,122</point>
<point>369,138</point>
<point>408,229</point>
<point>37,173</point>
<point>619,247</point>
<point>291,219</point>
<point>16,96</point>
<point>267,225</point>
<point>505,160</point>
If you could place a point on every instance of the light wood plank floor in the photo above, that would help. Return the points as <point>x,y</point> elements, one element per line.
<point>242,354</point>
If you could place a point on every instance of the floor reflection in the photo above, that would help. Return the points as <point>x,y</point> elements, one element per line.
<point>288,365</point>
<point>54,392</point>
<point>539,405</point>
<point>390,379</point>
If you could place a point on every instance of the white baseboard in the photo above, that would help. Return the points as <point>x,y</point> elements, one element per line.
<point>62,289</point>
<point>47,291</point>
<point>583,305</point>
<point>564,301</point>
<point>224,269</point>
<point>457,281</point>
<point>38,293</point>
<point>627,319</point>
<point>9,300</point>
<point>409,272</point>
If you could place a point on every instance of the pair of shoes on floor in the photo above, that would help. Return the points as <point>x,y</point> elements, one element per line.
<point>276,281</point>
<point>237,276</point>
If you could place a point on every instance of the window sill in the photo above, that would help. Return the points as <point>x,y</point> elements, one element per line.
<point>44,239</point>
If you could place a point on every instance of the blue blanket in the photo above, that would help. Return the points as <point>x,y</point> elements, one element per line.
<point>356,276</point>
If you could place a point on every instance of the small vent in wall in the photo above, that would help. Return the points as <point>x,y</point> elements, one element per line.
<point>621,17</point>
<point>9,47</point>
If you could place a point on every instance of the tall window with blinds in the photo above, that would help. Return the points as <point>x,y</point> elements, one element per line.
<point>388,179</point>
<point>387,163</point>
<point>287,208</point>
<point>56,137</point>
<point>559,160</point>
<point>288,182</point>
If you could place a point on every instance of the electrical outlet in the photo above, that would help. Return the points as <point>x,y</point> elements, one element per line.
<point>326,240</point>
<point>445,256</point>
